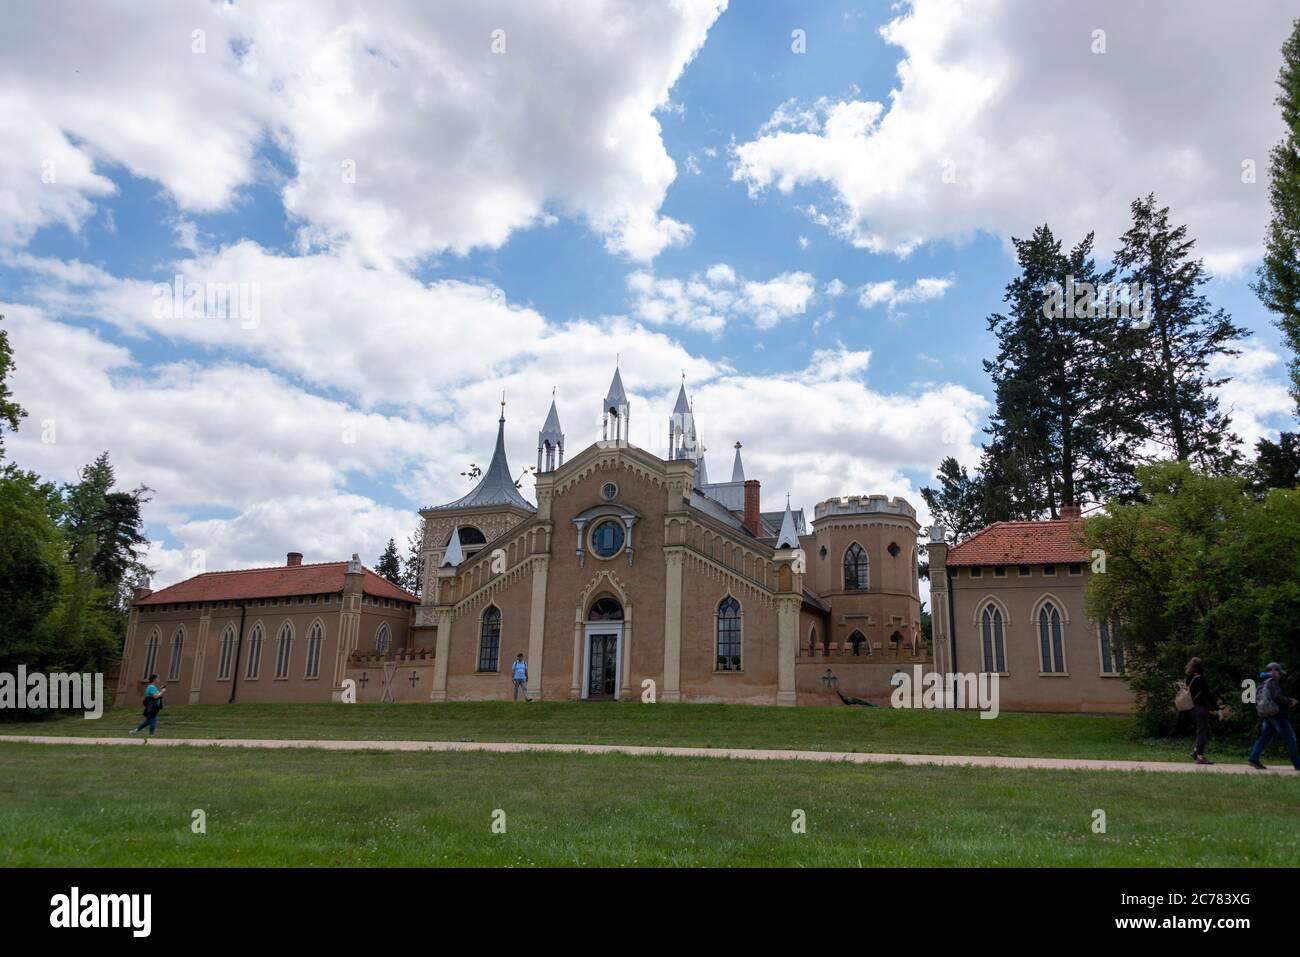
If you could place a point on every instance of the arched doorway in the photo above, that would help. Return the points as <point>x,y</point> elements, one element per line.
<point>602,649</point>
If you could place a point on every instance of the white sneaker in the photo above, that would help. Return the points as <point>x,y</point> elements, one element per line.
<point>131,733</point>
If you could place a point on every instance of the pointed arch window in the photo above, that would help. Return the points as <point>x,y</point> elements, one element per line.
<point>178,646</point>
<point>993,639</point>
<point>150,653</point>
<point>1112,649</point>
<point>856,568</point>
<point>1051,644</point>
<point>283,651</point>
<point>382,639</point>
<point>812,643</point>
<point>254,653</point>
<point>729,656</point>
<point>856,641</point>
<point>489,640</point>
<point>225,650</point>
<point>314,640</point>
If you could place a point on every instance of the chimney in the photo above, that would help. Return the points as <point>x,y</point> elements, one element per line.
<point>1071,513</point>
<point>295,559</point>
<point>140,592</point>
<point>751,519</point>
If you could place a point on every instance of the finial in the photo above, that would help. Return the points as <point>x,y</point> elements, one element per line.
<point>739,446</point>
<point>787,499</point>
<point>503,406</point>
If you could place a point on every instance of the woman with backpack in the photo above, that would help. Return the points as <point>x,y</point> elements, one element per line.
<point>152,705</point>
<point>1274,709</point>
<point>1203,702</point>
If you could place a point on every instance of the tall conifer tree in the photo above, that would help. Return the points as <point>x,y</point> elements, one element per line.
<point>1176,390</point>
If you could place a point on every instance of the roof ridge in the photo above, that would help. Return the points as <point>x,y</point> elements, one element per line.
<point>260,568</point>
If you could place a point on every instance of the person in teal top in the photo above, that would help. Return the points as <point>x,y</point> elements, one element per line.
<point>152,705</point>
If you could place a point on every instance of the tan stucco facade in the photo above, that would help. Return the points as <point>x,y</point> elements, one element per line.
<point>185,644</point>
<point>540,577</point>
<point>1017,596</point>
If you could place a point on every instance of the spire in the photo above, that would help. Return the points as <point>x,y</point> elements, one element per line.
<point>787,538</point>
<point>683,441</point>
<point>614,413</point>
<point>616,394</point>
<point>738,468</point>
<point>496,487</point>
<point>682,405</point>
<point>454,554</point>
<point>550,441</point>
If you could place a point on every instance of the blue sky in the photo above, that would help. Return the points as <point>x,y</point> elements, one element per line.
<point>672,184</point>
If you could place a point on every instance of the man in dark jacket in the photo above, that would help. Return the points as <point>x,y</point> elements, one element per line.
<point>1274,709</point>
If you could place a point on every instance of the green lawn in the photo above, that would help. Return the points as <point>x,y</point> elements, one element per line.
<point>91,806</point>
<point>697,725</point>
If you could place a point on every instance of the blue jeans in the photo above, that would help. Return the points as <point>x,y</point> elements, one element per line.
<point>1276,726</point>
<point>150,722</point>
<point>520,685</point>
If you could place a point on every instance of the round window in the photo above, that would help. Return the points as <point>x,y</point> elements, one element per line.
<point>607,539</point>
<point>608,491</point>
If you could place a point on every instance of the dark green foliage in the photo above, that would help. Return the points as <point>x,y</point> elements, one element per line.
<point>1199,567</point>
<point>1064,428</point>
<point>1276,465</point>
<point>389,565</point>
<point>413,565</point>
<point>1279,274</point>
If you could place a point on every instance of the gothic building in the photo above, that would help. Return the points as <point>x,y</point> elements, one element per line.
<point>634,576</point>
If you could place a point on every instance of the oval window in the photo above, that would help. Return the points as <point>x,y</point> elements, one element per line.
<point>607,539</point>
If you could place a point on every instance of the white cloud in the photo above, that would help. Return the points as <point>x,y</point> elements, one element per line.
<point>891,295</point>
<point>1255,393</point>
<point>1009,99</point>
<point>707,301</point>
<point>406,135</point>
<point>824,430</point>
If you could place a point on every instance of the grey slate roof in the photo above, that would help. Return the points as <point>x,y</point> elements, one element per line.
<point>702,503</point>
<point>496,487</point>
<point>772,522</point>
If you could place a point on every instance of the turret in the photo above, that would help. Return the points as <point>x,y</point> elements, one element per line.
<point>615,412</point>
<point>550,442</point>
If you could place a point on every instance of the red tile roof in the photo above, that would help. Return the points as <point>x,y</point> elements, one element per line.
<point>276,582</point>
<point>1020,543</point>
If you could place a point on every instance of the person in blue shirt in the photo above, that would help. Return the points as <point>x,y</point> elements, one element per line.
<point>521,677</point>
<point>152,705</point>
